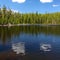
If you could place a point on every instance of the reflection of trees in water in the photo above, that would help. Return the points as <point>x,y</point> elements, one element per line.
<point>7,33</point>
<point>54,30</point>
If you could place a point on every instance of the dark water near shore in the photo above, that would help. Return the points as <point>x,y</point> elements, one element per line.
<point>30,43</point>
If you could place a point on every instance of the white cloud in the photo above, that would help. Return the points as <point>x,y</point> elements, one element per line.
<point>14,10</point>
<point>55,5</point>
<point>46,1</point>
<point>19,1</point>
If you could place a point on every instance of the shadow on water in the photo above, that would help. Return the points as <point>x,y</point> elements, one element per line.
<point>30,43</point>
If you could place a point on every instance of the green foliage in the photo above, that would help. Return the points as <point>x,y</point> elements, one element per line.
<point>8,16</point>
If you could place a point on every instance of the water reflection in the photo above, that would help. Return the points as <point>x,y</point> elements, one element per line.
<point>33,42</point>
<point>19,48</point>
<point>7,33</point>
<point>45,47</point>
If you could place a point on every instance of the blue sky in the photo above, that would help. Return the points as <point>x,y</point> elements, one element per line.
<point>27,6</point>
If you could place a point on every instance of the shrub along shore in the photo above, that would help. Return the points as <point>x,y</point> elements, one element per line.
<point>11,18</point>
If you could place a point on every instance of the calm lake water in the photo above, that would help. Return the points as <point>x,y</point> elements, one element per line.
<point>30,43</point>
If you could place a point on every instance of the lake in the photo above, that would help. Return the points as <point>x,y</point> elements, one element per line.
<point>30,42</point>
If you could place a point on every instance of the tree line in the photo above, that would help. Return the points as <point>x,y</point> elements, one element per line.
<point>8,16</point>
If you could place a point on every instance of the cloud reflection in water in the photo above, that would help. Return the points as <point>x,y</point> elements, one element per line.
<point>45,47</point>
<point>19,48</point>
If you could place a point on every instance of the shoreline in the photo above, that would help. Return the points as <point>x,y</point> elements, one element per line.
<point>31,24</point>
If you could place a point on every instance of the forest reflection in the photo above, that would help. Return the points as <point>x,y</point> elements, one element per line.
<point>6,33</point>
